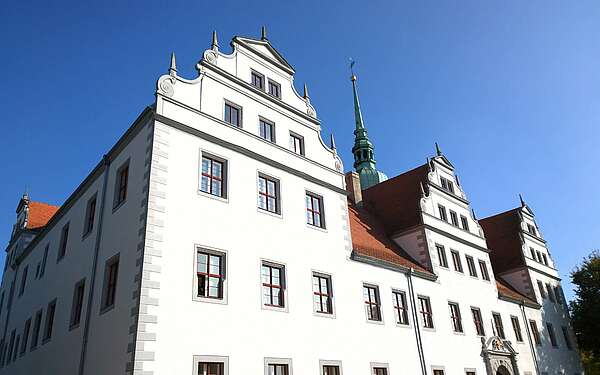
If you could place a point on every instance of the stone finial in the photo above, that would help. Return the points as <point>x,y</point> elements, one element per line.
<point>305,95</point>
<point>438,152</point>
<point>523,204</point>
<point>332,143</point>
<point>263,33</point>
<point>215,43</point>
<point>173,66</point>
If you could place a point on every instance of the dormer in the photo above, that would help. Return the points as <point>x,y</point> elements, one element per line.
<point>31,218</point>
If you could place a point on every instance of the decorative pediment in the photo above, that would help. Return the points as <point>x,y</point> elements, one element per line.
<point>498,346</point>
<point>264,49</point>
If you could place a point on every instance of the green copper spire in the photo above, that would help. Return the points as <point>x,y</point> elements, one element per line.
<point>363,150</point>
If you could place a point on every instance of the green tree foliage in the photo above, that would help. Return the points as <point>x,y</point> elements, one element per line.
<point>585,310</point>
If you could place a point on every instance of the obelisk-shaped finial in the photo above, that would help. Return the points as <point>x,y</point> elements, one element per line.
<point>305,95</point>
<point>173,66</point>
<point>263,33</point>
<point>215,43</point>
<point>437,149</point>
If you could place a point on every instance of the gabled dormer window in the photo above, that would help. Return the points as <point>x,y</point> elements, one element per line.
<point>257,80</point>
<point>274,89</point>
<point>447,185</point>
<point>531,229</point>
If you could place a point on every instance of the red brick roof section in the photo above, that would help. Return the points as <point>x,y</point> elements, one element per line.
<point>369,239</point>
<point>505,290</point>
<point>39,214</point>
<point>396,200</point>
<point>502,236</point>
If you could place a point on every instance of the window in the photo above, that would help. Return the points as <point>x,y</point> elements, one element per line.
<point>314,209</point>
<point>277,369</point>
<point>89,216</point>
<point>498,325</point>
<point>443,214</point>
<point>441,252</point>
<point>531,229</point>
<point>539,256</point>
<point>454,218</point>
<point>273,285</point>
<point>447,185</point>
<point>266,130</point>
<point>121,185</point>
<point>517,328</point>
<point>23,280</point>
<point>438,372</point>
<point>233,114</point>
<point>471,266</point>
<point>551,334</point>
<point>484,272</point>
<point>210,267</point>
<point>331,370</point>
<point>455,317</point>
<point>425,312</point>
<point>35,335</point>
<point>44,258</point>
<point>257,80</point>
<point>465,222</point>
<point>62,248</point>
<point>456,261</point>
<point>322,293</point>
<point>1,303</point>
<point>213,176</point>
<point>25,336</point>
<point>541,289</point>
<point>210,368</point>
<point>297,143</point>
<point>558,294</point>
<point>379,369</point>
<point>535,332</point>
<point>372,304</point>
<point>77,306</point>
<point>478,321</point>
<point>274,89</point>
<point>532,251</point>
<point>109,291</point>
<point>268,194</point>
<point>400,307</point>
<point>470,372</point>
<point>50,311</point>
<point>567,338</point>
<point>550,292</point>
<point>11,346</point>
<point>545,258</point>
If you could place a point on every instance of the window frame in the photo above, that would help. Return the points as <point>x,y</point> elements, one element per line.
<point>49,321</point>
<point>456,261</point>
<point>90,215</point>
<point>330,363</point>
<point>370,304</point>
<point>514,320</point>
<point>425,317</point>
<point>254,73</point>
<point>464,222</point>
<point>283,286</point>
<point>479,328</point>
<point>77,304</point>
<point>224,176</point>
<point>379,365</point>
<point>400,311</point>
<point>537,338</point>
<point>320,212</point>
<point>271,124</point>
<point>454,219</point>
<point>109,293</point>
<point>296,136</point>
<point>276,84</point>
<point>240,114</point>
<point>567,338</point>
<point>551,334</point>
<point>23,283</point>
<point>485,275</point>
<point>443,213</point>
<point>119,200</point>
<point>62,244</point>
<point>456,320</point>
<point>37,329</point>
<point>211,359</point>
<point>498,325</point>
<point>268,178</point>
<point>441,253</point>
<point>329,294</point>
<point>278,361</point>
<point>471,266</point>
<point>26,330</point>
<point>447,184</point>
<point>550,293</point>
<point>224,265</point>
<point>44,260</point>
<point>541,289</point>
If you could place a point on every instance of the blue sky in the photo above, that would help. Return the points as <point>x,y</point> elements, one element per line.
<point>509,89</point>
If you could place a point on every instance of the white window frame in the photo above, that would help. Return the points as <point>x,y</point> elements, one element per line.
<point>374,365</point>
<point>325,362</point>
<point>211,358</point>
<point>278,361</point>
<point>225,259</point>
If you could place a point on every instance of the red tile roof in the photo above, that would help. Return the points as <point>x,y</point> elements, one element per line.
<point>369,239</point>
<point>507,291</point>
<point>502,236</point>
<point>39,214</point>
<point>396,200</point>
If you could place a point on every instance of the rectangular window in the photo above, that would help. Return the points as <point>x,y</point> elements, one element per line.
<point>273,284</point>
<point>484,272</point>
<point>532,251</point>
<point>233,114</point>
<point>557,295</point>
<point>25,336</point>
<point>498,325</point>
<point>297,143</point>
<point>322,293</point>
<point>443,214</point>
<point>77,306</point>
<point>441,252</point>
<point>62,248</point>
<point>447,185</point>
<point>517,328</point>
<point>44,259</point>
<point>372,304</point>
<point>23,280</point>
<point>277,369</point>
<point>535,332</point>
<point>551,334</point>
<point>531,229</point>
<point>266,130</point>
<point>268,194</point>
<point>465,222</point>
<point>425,312</point>
<point>121,185</point>
<point>478,321</point>
<point>11,346</point>
<point>541,289</point>
<point>90,214</point>
<point>455,317</point>
<point>210,274</point>
<point>274,89</point>
<point>438,372</point>
<point>454,218</point>
<point>456,261</point>
<point>331,370</point>
<point>314,210</point>
<point>545,258</point>
<point>567,338</point>
<point>37,324</point>
<point>258,80</point>
<point>539,256</point>
<point>471,266</point>
<point>550,292</point>
<point>109,291</point>
<point>380,371</point>
<point>213,176</point>
<point>50,311</point>
<point>211,368</point>
<point>400,307</point>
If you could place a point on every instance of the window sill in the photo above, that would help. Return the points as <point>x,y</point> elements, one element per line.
<point>46,340</point>
<point>324,315</point>
<point>269,213</point>
<point>119,205</point>
<point>73,326</point>
<point>426,329</point>
<point>403,325</point>
<point>283,309</point>
<point>106,309</point>
<point>324,230</point>
<point>378,322</point>
<point>87,234</point>
<point>212,196</point>
<point>216,301</point>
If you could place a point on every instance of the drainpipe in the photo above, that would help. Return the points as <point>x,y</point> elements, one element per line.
<point>416,322</point>
<point>526,322</point>
<point>86,329</point>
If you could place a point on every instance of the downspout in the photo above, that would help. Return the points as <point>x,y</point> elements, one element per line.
<point>86,329</point>
<point>418,338</point>
<point>526,322</point>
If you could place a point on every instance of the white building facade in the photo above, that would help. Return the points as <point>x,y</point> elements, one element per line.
<point>220,236</point>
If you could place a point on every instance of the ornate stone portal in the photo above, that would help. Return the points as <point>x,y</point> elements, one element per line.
<point>499,356</point>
